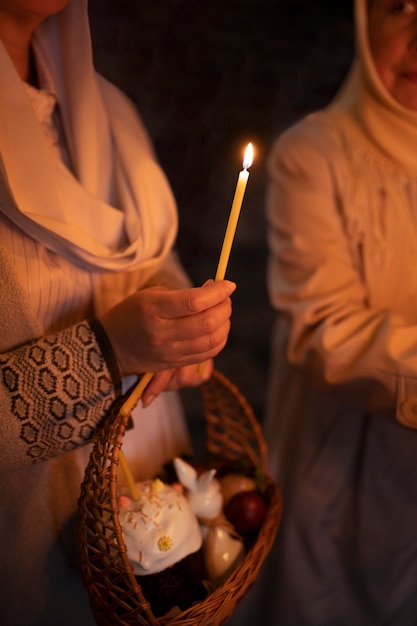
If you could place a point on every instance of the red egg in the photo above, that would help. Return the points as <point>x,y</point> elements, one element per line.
<point>246,511</point>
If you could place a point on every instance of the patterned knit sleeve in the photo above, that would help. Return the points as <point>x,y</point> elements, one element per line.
<point>54,392</point>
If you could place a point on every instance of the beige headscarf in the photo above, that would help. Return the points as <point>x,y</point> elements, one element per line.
<point>391,126</point>
<point>70,212</point>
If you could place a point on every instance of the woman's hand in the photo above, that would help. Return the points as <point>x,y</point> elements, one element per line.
<point>160,329</point>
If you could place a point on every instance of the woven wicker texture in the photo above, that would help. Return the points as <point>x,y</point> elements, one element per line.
<point>233,434</point>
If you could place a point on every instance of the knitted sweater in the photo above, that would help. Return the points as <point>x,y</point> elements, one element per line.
<point>54,391</point>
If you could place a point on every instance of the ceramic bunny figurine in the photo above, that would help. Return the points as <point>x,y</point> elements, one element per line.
<point>223,549</point>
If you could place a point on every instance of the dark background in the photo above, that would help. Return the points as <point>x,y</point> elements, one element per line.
<point>207,78</point>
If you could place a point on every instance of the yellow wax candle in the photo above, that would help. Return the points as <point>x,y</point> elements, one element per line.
<point>232,223</point>
<point>234,214</point>
<point>136,394</point>
<point>128,475</point>
<point>126,408</point>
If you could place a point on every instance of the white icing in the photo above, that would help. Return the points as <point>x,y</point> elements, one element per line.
<point>159,529</point>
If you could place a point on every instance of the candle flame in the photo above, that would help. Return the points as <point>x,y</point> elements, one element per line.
<point>248,158</point>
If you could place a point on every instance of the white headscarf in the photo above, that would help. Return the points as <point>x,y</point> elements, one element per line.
<point>391,126</point>
<point>70,213</point>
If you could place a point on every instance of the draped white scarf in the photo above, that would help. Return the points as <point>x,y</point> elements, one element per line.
<point>70,213</point>
<point>391,126</point>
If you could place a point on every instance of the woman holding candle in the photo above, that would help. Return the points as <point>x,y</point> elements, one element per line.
<point>341,423</point>
<point>92,296</point>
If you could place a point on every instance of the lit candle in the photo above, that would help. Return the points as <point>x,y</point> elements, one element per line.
<point>232,223</point>
<point>135,396</point>
<point>234,213</point>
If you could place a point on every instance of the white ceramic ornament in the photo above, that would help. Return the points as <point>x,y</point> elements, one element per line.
<point>222,551</point>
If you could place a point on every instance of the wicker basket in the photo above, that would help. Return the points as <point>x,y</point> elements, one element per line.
<point>233,434</point>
